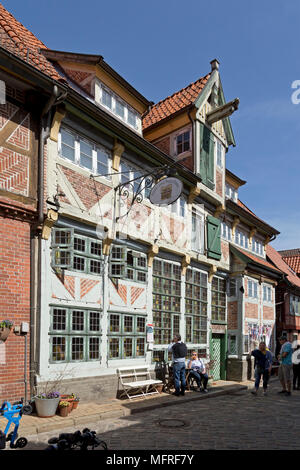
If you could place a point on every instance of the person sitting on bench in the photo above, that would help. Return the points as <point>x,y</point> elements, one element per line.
<point>197,370</point>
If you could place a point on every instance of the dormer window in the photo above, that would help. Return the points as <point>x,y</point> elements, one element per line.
<point>114,103</point>
<point>106,98</point>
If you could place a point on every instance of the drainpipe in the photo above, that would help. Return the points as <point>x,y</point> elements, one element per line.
<point>36,247</point>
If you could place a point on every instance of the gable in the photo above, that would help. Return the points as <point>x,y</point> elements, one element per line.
<point>221,128</point>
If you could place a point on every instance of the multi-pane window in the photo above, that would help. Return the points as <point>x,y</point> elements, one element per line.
<point>67,148</point>
<point>232,288</point>
<point>196,306</point>
<point>118,107</point>
<point>178,207</point>
<point>219,154</point>
<point>232,344</point>
<point>226,231</point>
<point>126,263</point>
<point>294,304</point>
<point>218,300</point>
<point>183,142</point>
<point>126,336</point>
<point>166,300</point>
<point>252,289</point>
<point>231,192</point>
<point>257,247</point>
<point>267,294</point>
<point>76,252</point>
<point>241,238</point>
<point>106,98</point>
<point>133,174</point>
<point>74,334</point>
<point>197,236</point>
<point>84,153</point>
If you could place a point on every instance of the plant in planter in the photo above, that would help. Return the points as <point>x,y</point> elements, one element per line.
<point>63,408</point>
<point>5,329</point>
<point>75,402</point>
<point>46,404</point>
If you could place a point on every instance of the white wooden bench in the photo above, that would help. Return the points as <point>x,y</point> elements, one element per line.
<point>131,380</point>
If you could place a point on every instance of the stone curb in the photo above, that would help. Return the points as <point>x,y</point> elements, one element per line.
<point>122,410</point>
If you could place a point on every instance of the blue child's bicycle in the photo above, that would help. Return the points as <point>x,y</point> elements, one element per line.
<point>13,413</point>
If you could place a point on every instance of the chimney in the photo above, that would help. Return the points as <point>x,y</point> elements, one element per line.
<point>214,64</point>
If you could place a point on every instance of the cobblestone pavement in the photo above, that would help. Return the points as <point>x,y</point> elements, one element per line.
<point>236,421</point>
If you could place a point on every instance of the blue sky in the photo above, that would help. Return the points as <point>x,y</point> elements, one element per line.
<point>161,46</point>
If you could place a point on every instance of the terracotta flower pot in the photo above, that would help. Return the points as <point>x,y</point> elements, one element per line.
<point>75,404</point>
<point>64,411</point>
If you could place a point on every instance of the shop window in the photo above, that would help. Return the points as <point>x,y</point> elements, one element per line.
<point>74,335</point>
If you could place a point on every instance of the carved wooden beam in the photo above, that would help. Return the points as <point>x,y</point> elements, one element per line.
<point>154,249</point>
<point>52,217</point>
<point>212,271</point>
<point>219,210</point>
<point>118,149</point>
<point>56,123</point>
<point>194,192</point>
<point>186,260</point>
<point>235,223</point>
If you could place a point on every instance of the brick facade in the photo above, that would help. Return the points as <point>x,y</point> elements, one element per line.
<point>15,303</point>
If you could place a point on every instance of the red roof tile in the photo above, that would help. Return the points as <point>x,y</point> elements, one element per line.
<point>256,259</point>
<point>21,42</point>
<point>277,259</point>
<point>293,262</point>
<point>174,103</point>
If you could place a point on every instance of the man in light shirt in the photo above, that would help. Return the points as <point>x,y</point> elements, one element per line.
<point>197,370</point>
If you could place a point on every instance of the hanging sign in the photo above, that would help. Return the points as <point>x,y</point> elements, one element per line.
<point>166,191</point>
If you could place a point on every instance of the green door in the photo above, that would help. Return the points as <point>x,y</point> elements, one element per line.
<point>216,356</point>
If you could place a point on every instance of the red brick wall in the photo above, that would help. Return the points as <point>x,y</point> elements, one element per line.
<point>225,250</point>
<point>164,145</point>
<point>15,303</point>
<point>219,183</point>
<point>268,313</point>
<point>232,315</point>
<point>251,310</point>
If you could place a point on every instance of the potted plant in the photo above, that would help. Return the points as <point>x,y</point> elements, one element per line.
<point>70,400</point>
<point>75,402</point>
<point>46,404</point>
<point>63,408</point>
<point>5,329</point>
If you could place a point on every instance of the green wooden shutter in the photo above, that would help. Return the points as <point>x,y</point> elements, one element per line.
<point>207,156</point>
<point>213,238</point>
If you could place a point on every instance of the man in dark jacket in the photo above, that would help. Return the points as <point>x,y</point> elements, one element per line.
<point>179,352</point>
<point>263,365</point>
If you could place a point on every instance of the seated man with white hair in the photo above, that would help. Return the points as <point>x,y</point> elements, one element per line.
<point>196,368</point>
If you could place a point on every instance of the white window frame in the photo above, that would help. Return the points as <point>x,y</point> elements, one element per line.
<point>219,156</point>
<point>95,148</point>
<point>112,109</point>
<point>257,246</point>
<point>199,246</point>
<point>252,289</point>
<point>239,236</point>
<point>176,207</point>
<point>226,231</point>
<point>267,293</point>
<point>176,135</point>
<point>231,192</point>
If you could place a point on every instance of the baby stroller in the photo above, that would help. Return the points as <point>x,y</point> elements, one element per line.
<point>13,413</point>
